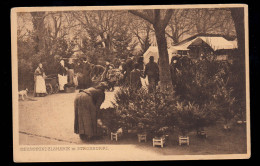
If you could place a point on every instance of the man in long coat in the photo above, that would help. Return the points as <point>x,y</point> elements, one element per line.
<point>152,71</point>
<point>86,105</point>
<point>129,66</point>
<point>87,82</point>
<point>135,77</point>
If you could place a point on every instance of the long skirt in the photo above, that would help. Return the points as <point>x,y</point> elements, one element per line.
<point>40,86</point>
<point>87,82</point>
<point>62,81</point>
<point>71,76</point>
<point>85,121</point>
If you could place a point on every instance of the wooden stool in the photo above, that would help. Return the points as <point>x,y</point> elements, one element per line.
<point>159,141</point>
<point>114,136</point>
<point>141,137</point>
<point>184,140</point>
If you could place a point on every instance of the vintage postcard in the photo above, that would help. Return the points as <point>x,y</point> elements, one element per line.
<point>130,83</point>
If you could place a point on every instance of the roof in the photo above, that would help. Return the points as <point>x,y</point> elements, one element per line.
<point>234,42</point>
<point>183,48</point>
<point>153,51</point>
<point>215,42</point>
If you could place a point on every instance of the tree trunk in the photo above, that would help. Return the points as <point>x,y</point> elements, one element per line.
<point>164,67</point>
<point>238,18</point>
<point>39,28</point>
<point>159,27</point>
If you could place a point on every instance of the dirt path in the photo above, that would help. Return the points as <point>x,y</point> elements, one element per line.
<point>51,117</point>
<point>50,121</point>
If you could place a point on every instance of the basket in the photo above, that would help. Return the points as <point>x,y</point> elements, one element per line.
<point>70,89</point>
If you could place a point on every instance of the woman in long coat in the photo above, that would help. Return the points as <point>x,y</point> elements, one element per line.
<point>39,86</point>
<point>86,105</point>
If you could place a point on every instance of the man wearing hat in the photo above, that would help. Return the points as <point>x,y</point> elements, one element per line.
<point>152,71</point>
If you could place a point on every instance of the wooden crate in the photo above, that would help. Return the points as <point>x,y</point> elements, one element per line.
<point>159,141</point>
<point>141,137</point>
<point>184,140</point>
<point>114,136</point>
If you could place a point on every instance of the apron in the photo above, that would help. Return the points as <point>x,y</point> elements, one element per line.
<point>62,81</point>
<point>40,86</point>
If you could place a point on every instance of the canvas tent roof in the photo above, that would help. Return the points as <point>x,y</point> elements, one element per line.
<point>179,48</point>
<point>153,51</point>
<point>216,43</point>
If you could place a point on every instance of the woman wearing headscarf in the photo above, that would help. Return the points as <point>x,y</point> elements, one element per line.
<point>86,105</point>
<point>62,75</point>
<point>39,85</point>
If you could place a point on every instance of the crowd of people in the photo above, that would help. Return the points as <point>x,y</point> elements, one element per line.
<point>83,74</point>
<point>88,101</point>
<point>93,80</point>
<point>135,71</point>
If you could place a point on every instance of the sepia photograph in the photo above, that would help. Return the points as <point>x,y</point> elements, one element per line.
<point>130,83</point>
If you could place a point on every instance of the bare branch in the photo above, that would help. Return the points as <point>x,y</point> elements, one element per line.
<point>142,15</point>
<point>167,17</point>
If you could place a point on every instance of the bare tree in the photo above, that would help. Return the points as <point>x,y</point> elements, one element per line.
<point>238,18</point>
<point>39,28</point>
<point>179,25</point>
<point>207,20</point>
<point>102,25</point>
<point>228,28</point>
<point>159,19</point>
<point>24,26</point>
<point>142,31</point>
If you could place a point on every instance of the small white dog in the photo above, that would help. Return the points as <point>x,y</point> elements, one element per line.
<point>23,93</point>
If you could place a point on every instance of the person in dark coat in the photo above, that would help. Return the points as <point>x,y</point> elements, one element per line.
<point>174,70</point>
<point>70,72</point>
<point>135,77</point>
<point>140,63</point>
<point>152,71</point>
<point>129,66</point>
<point>86,78</point>
<point>86,106</point>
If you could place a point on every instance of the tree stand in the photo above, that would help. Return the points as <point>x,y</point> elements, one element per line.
<point>158,141</point>
<point>114,136</point>
<point>184,140</point>
<point>141,137</point>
